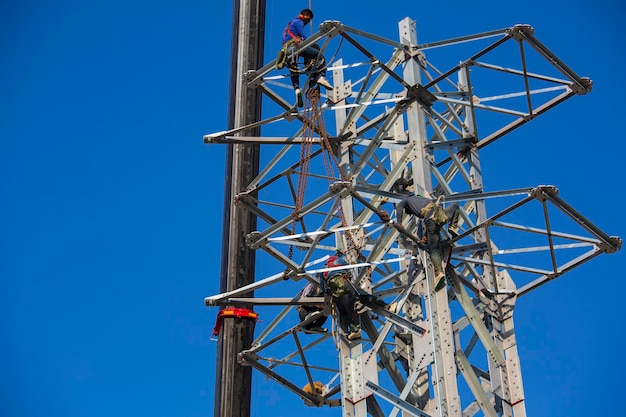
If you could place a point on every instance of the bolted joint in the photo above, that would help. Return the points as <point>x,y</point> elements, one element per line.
<point>583,87</point>
<point>520,32</point>
<point>253,240</point>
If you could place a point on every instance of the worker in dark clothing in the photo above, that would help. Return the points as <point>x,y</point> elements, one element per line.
<point>344,297</point>
<point>434,218</point>
<point>293,35</point>
<point>308,311</point>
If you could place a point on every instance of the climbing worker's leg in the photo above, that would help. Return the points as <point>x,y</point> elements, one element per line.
<point>348,319</point>
<point>312,53</point>
<point>433,243</point>
<point>454,213</point>
<point>295,81</point>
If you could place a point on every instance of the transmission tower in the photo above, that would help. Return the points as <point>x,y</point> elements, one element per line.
<point>418,115</point>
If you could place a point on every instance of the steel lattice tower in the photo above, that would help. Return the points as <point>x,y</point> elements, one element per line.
<point>421,114</point>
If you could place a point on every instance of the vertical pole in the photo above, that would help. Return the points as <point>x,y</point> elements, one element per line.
<point>233,382</point>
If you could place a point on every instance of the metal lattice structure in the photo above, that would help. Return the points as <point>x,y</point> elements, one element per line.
<point>401,111</point>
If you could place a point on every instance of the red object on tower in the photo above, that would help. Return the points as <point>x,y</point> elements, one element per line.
<point>239,313</point>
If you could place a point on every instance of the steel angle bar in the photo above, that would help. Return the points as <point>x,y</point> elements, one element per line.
<point>474,384</point>
<point>282,224</point>
<point>266,140</point>
<point>445,122</point>
<point>583,83</point>
<point>533,92</point>
<point>552,248</point>
<point>485,107</point>
<point>490,262</point>
<point>251,204</point>
<point>215,137</point>
<point>395,400</point>
<point>464,39</point>
<point>373,146</point>
<point>564,268</point>
<point>398,321</point>
<point>277,301</point>
<point>521,73</point>
<point>471,59</point>
<point>250,360</point>
<point>355,113</point>
<point>521,121</point>
<point>275,363</point>
<point>529,229</point>
<point>289,108</point>
<point>407,388</point>
<point>385,68</point>
<point>395,44</point>
<point>611,243</point>
<point>213,300</point>
<point>475,319</point>
<point>324,232</point>
<point>386,358</point>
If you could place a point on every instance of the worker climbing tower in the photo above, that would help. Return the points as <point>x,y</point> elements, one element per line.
<point>401,118</point>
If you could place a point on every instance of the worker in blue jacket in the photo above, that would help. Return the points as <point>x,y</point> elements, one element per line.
<point>293,35</point>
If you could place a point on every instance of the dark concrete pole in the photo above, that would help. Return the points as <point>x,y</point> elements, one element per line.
<point>233,382</point>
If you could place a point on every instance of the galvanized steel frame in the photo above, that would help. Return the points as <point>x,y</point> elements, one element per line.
<point>413,357</point>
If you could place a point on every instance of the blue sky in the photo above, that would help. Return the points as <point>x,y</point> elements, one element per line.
<point>111,211</point>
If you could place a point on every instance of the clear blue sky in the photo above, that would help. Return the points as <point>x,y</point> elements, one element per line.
<point>111,205</point>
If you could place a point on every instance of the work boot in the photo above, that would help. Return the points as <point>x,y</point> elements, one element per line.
<point>299,98</point>
<point>393,307</point>
<point>440,279</point>
<point>280,60</point>
<point>324,83</point>
<point>354,335</point>
<point>315,330</point>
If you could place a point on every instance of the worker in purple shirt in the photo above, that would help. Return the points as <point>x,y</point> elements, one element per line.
<point>293,35</point>
<point>434,218</point>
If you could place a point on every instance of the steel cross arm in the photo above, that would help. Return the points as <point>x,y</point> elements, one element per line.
<point>583,84</point>
<point>474,385</point>
<point>611,243</point>
<point>395,400</point>
<point>475,319</point>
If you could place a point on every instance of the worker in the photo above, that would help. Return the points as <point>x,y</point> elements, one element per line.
<point>293,35</point>
<point>344,296</point>
<point>434,218</point>
<point>307,311</point>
